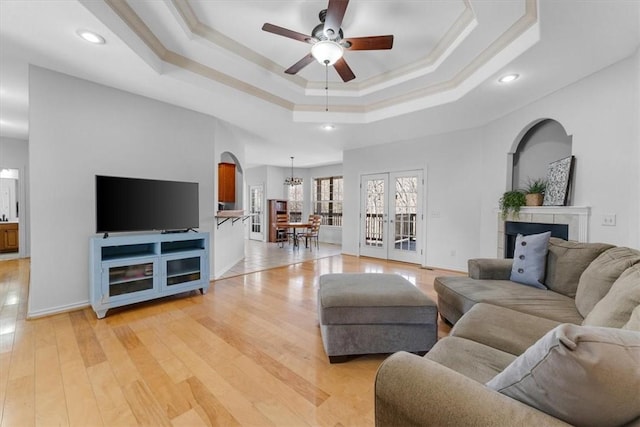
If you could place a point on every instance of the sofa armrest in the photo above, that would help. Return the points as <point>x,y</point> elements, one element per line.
<point>414,391</point>
<point>489,268</point>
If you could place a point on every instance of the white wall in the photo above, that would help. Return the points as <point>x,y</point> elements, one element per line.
<point>451,192</point>
<point>228,238</point>
<point>79,129</point>
<point>601,113</point>
<point>14,154</point>
<point>466,171</point>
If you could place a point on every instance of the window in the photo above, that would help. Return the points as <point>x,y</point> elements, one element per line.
<point>327,199</point>
<point>295,203</point>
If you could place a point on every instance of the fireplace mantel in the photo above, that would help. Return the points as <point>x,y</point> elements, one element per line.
<point>576,217</point>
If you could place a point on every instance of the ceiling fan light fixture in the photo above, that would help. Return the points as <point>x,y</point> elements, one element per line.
<point>327,52</point>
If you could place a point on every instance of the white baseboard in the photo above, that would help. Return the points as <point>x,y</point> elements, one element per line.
<point>57,310</point>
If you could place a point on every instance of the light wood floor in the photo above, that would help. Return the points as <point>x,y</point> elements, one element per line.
<point>249,352</point>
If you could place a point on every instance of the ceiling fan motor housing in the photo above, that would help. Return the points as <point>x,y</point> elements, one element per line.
<point>319,34</point>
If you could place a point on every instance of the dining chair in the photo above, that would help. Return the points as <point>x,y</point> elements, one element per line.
<point>282,229</point>
<point>311,232</point>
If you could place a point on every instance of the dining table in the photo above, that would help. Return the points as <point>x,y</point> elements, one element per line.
<point>294,226</point>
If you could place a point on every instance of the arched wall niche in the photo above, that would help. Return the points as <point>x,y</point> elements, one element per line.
<point>541,142</point>
<point>229,158</point>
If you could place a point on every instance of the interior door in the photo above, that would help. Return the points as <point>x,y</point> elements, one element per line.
<point>391,216</point>
<point>256,221</point>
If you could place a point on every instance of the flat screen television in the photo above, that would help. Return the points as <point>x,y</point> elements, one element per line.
<point>133,204</point>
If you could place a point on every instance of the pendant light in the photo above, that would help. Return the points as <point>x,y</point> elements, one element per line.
<point>292,180</point>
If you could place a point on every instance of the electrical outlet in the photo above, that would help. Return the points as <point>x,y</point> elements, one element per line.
<point>609,220</point>
<point>453,252</point>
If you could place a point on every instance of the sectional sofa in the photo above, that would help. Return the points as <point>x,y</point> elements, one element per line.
<point>522,355</point>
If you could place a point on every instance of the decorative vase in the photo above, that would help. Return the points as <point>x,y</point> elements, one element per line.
<point>534,199</point>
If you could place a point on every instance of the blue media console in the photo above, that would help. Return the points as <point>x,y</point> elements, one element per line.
<point>133,268</point>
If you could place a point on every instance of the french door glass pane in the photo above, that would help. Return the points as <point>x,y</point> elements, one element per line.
<point>256,208</point>
<point>406,209</point>
<point>374,230</point>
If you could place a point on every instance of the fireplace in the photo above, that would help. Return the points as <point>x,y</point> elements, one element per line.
<point>512,229</point>
<point>574,218</point>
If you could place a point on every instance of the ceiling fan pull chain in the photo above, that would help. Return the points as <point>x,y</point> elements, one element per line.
<point>326,85</point>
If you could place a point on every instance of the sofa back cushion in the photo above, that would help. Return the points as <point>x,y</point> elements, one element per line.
<point>582,375</point>
<point>614,310</point>
<point>634,321</point>
<point>597,279</point>
<point>566,261</point>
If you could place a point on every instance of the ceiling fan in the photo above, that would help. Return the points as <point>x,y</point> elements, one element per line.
<point>328,42</point>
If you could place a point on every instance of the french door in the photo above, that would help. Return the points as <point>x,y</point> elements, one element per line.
<point>391,216</point>
<point>256,222</point>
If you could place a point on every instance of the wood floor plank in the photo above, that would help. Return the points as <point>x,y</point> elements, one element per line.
<point>80,401</point>
<point>172,402</point>
<point>248,353</point>
<point>204,362</point>
<point>216,413</point>
<point>89,345</point>
<point>112,403</point>
<point>49,389</point>
<point>250,349</point>
<point>19,402</point>
<point>147,410</point>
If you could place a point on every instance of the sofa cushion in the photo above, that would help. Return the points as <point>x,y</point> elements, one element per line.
<point>474,360</point>
<point>502,328</point>
<point>529,259</point>
<point>614,310</point>
<point>462,293</point>
<point>634,321</point>
<point>585,376</point>
<point>566,261</point>
<point>597,279</point>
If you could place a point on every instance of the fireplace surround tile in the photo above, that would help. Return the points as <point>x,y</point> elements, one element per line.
<point>576,217</point>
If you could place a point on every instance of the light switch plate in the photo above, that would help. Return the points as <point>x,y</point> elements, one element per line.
<point>609,220</point>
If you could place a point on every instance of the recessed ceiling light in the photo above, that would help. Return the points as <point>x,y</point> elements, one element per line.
<point>508,78</point>
<point>328,126</point>
<point>91,37</point>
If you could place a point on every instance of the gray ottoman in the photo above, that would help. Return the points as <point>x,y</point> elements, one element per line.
<point>365,313</point>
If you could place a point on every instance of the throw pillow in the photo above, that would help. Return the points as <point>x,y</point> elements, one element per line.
<point>529,259</point>
<point>566,261</point>
<point>634,321</point>
<point>585,376</point>
<point>597,279</point>
<point>614,310</point>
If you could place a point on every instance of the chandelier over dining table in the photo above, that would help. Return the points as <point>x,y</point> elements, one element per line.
<point>292,180</point>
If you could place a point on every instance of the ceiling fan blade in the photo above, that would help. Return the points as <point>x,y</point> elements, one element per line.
<point>270,28</point>
<point>343,69</point>
<point>300,64</point>
<point>335,13</point>
<point>370,43</point>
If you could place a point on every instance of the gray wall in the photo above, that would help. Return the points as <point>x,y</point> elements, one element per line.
<point>79,129</point>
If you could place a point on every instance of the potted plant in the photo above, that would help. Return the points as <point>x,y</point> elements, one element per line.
<point>511,202</point>
<point>534,191</point>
